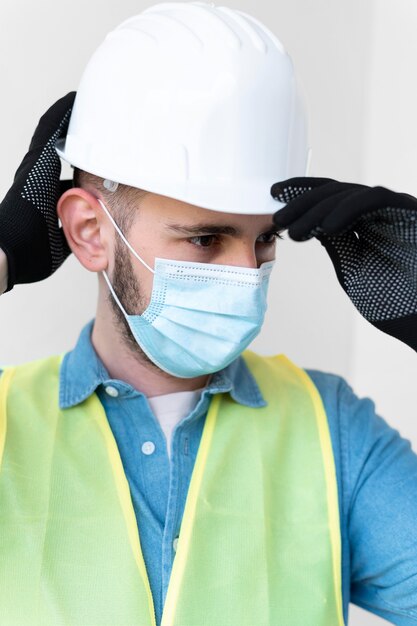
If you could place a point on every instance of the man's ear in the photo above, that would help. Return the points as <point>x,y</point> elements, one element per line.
<point>84,227</point>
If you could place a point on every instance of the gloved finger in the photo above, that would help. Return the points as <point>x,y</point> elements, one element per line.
<point>64,251</point>
<point>54,121</point>
<point>299,207</point>
<point>55,118</point>
<point>362,202</point>
<point>64,185</point>
<point>310,223</point>
<point>287,190</point>
<point>333,248</point>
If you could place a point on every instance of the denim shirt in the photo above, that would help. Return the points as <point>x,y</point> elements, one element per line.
<point>376,476</point>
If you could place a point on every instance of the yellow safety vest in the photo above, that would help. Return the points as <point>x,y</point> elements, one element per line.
<point>260,537</point>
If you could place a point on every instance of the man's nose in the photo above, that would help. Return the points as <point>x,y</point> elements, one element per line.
<point>244,255</point>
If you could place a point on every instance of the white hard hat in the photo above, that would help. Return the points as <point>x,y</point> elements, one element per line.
<point>191,101</point>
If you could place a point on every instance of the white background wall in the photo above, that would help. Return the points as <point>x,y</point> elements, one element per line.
<point>356,61</point>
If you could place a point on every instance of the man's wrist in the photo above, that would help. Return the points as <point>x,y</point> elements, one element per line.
<point>3,272</point>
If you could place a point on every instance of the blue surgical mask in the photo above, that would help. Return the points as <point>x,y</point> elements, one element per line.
<point>201,316</point>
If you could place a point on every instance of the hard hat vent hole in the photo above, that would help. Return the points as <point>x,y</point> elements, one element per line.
<point>110,185</point>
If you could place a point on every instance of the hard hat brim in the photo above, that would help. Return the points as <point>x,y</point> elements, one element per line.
<point>250,197</point>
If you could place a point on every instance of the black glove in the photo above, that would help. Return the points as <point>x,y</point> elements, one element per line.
<point>370,234</point>
<point>30,236</point>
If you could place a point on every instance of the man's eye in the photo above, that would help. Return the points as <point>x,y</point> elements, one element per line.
<point>269,238</point>
<point>203,241</point>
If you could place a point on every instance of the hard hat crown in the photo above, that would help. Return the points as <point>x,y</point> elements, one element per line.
<point>194,102</point>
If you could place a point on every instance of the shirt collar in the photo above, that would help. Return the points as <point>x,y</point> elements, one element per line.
<point>82,372</point>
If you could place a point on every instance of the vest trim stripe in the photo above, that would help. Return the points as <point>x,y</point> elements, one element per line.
<point>331,486</point>
<point>5,381</point>
<point>123,491</point>
<point>184,539</point>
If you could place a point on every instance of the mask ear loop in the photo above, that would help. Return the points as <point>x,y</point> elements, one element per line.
<point>119,232</point>
<point>112,291</point>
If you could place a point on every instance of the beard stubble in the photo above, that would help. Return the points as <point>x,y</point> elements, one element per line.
<point>127,289</point>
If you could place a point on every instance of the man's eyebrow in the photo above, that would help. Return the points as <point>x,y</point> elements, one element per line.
<point>205,229</point>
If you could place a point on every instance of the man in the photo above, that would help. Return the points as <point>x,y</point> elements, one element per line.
<point>154,474</point>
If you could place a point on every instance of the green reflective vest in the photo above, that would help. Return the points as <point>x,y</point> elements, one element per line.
<point>260,537</point>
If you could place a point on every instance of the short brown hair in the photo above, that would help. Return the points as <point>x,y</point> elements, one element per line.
<point>123,202</point>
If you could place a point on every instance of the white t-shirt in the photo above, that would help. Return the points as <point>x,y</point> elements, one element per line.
<point>172,408</point>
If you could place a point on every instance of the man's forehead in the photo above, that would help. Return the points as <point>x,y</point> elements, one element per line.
<point>181,217</point>
<point>178,210</point>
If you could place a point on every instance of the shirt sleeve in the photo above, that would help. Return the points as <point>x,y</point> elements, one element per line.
<point>379,475</point>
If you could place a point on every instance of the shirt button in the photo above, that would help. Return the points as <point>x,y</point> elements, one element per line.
<point>148,447</point>
<point>111,391</point>
<point>175,544</point>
